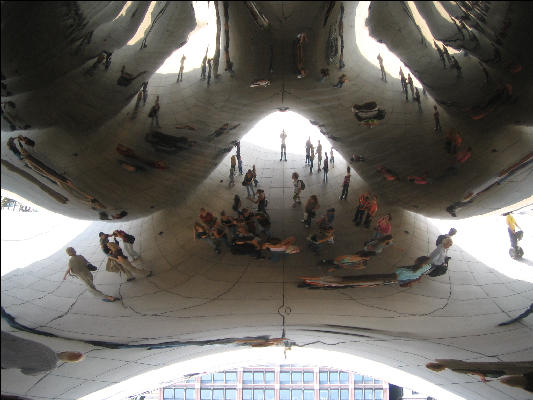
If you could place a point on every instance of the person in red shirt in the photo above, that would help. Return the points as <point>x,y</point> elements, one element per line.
<point>383,227</point>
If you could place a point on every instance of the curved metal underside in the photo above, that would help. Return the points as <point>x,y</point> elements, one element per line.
<point>199,303</point>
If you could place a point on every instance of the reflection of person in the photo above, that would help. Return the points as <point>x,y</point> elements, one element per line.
<point>182,66</point>
<point>345,184</point>
<point>127,241</point>
<point>283,136</point>
<point>511,228</point>
<point>297,189</point>
<point>382,68</point>
<point>117,255</point>
<point>78,267</point>
<point>32,357</point>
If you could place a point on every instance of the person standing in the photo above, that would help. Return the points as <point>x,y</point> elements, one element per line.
<point>511,228</point>
<point>441,54</point>
<point>345,184</point>
<point>128,241</point>
<point>204,66</point>
<point>209,71</point>
<point>362,207</point>
<point>439,259</point>
<point>310,210</point>
<point>239,163</point>
<point>371,211</point>
<point>382,68</point>
<point>283,136</point>
<point>232,170</point>
<point>249,183</point>
<point>32,357</point>
<point>417,99</point>
<point>319,155</point>
<point>308,151</point>
<point>254,174</point>
<point>325,167</point>
<point>436,117</point>
<point>78,267</point>
<point>297,189</point>
<point>411,85</point>
<point>402,80</point>
<point>331,159</point>
<point>311,159</point>
<point>342,80</point>
<point>154,114</point>
<point>182,66</point>
<point>118,256</point>
<point>145,92</point>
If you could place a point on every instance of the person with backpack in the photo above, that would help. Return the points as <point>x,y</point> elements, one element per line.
<point>128,241</point>
<point>439,258</point>
<point>345,184</point>
<point>298,187</point>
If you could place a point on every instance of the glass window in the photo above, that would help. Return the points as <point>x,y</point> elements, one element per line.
<point>269,394</point>
<point>168,393</point>
<point>309,377</point>
<point>309,394</point>
<point>259,377</point>
<point>218,394</point>
<point>345,394</point>
<point>297,394</point>
<point>206,378</point>
<point>334,377</point>
<point>190,394</point>
<point>231,377</point>
<point>269,377</point>
<point>368,379</point>
<point>357,378</point>
<point>378,394</point>
<point>323,377</point>
<point>284,377</point>
<point>333,394</point>
<point>284,394</point>
<point>259,394</point>
<point>192,379</point>
<point>369,394</point>
<point>296,377</point>
<point>247,394</point>
<point>205,394</point>
<point>323,395</point>
<point>179,394</point>
<point>218,377</point>
<point>378,381</point>
<point>358,394</point>
<point>247,377</point>
<point>343,377</point>
<point>231,394</point>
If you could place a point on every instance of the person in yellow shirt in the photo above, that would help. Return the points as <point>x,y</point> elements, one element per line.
<point>511,224</point>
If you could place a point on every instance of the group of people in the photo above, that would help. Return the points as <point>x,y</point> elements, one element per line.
<point>311,152</point>
<point>79,267</point>
<point>247,233</point>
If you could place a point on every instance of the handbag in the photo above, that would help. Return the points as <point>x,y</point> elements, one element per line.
<point>91,267</point>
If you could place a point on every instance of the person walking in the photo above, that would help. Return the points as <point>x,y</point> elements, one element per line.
<point>182,66</point>
<point>261,201</point>
<point>319,155</point>
<point>154,113</point>
<point>127,241</point>
<point>249,183</point>
<point>345,184</point>
<point>511,229</point>
<point>441,54</point>
<point>117,255</point>
<point>331,159</point>
<point>436,117</point>
<point>325,168</point>
<point>209,71</point>
<point>402,80</point>
<point>233,165</point>
<point>308,150</point>
<point>32,357</point>
<point>342,80</point>
<point>78,267</point>
<point>310,210</point>
<point>254,175</point>
<point>382,68</point>
<point>362,207</point>
<point>283,136</point>
<point>297,188</point>
<point>311,159</point>
<point>204,66</point>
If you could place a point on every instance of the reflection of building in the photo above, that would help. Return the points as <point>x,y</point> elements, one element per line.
<point>285,382</point>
